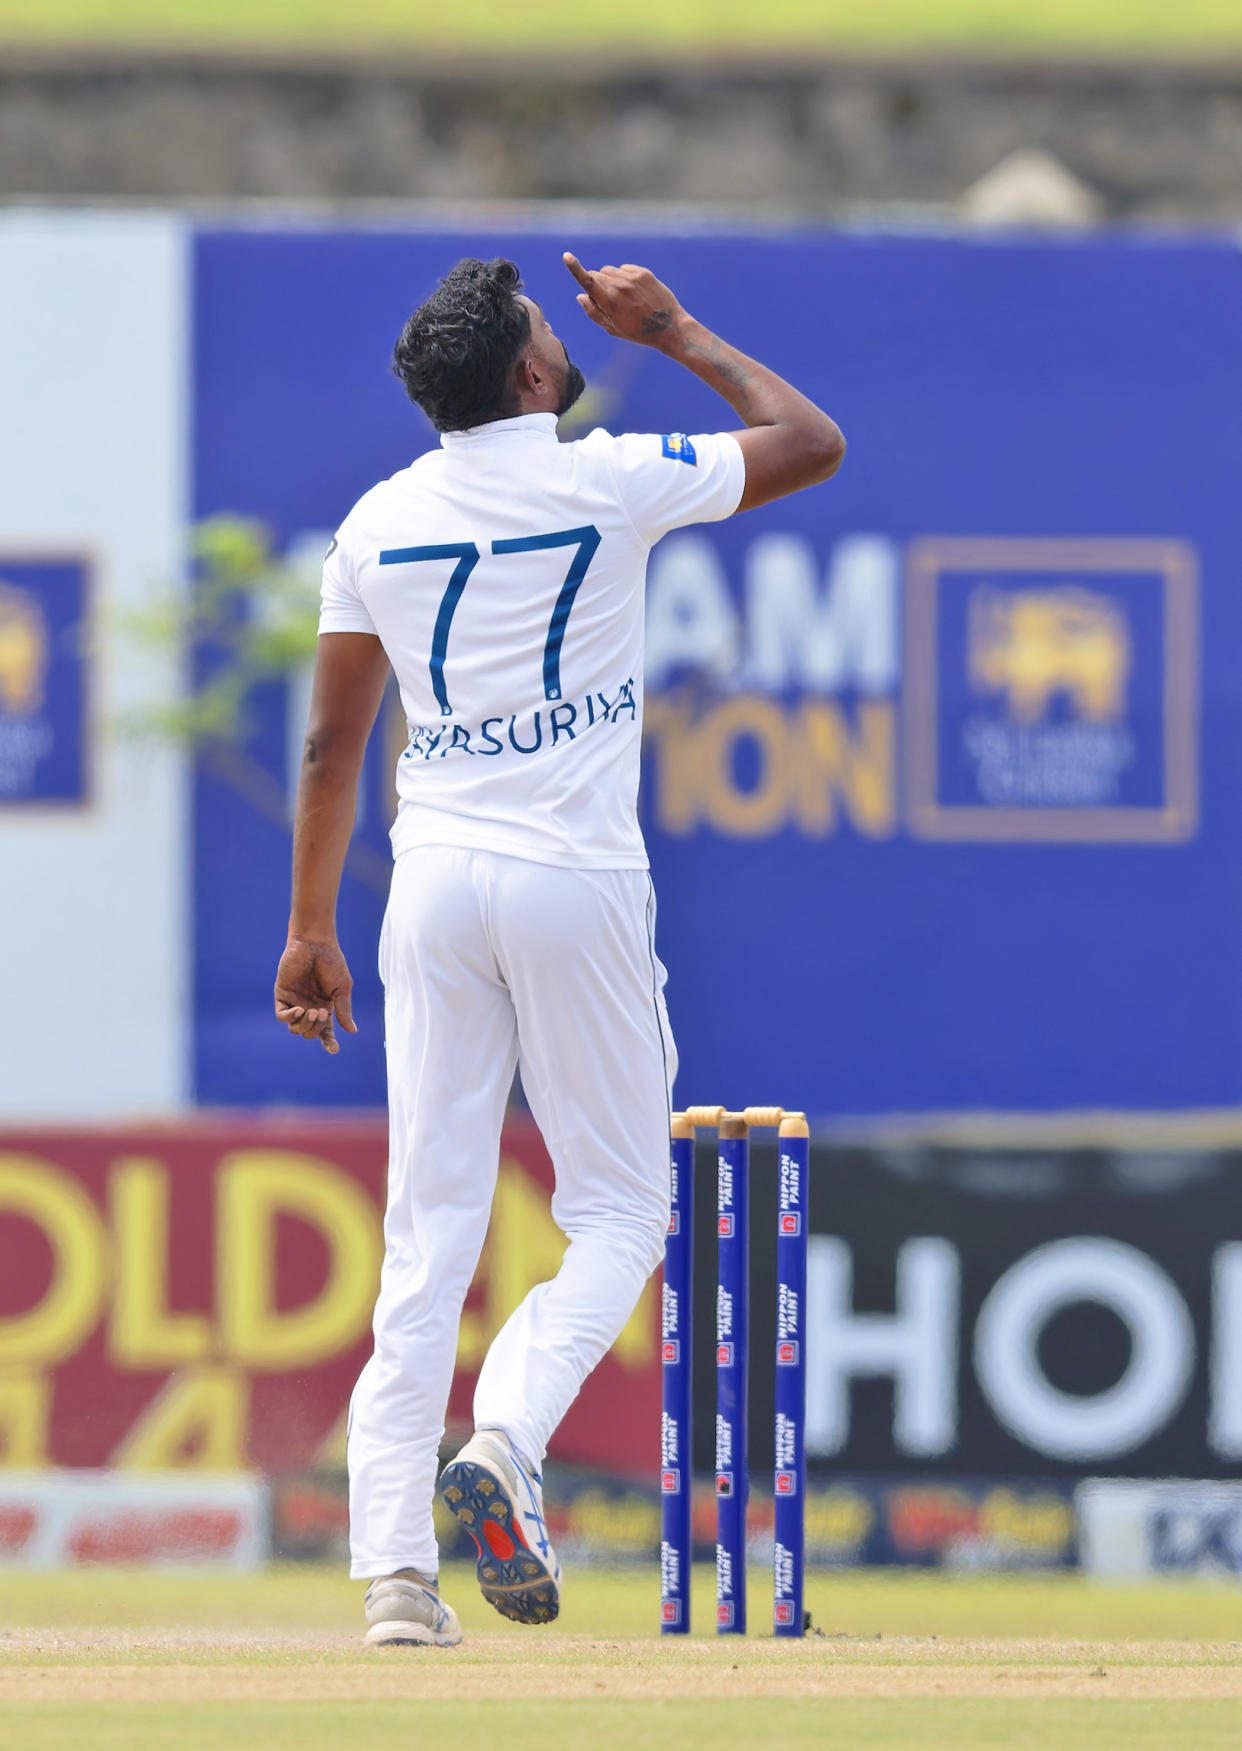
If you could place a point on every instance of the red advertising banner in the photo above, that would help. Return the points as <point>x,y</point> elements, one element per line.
<point>200,1295</point>
<point>68,1519</point>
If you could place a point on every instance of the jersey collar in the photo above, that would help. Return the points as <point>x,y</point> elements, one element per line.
<point>542,423</point>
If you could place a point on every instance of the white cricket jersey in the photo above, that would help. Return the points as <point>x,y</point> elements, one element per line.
<point>504,575</point>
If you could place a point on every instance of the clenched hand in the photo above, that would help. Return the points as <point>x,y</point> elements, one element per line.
<point>312,986</point>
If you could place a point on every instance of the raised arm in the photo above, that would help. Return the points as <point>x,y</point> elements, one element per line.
<point>788,443</point>
<point>313,983</point>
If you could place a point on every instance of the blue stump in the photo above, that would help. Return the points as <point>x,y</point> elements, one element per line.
<point>676,1351</point>
<point>732,1358</point>
<point>790,1478</point>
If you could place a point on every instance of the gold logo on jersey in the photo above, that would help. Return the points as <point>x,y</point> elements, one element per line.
<point>1035,644</point>
<point>25,652</point>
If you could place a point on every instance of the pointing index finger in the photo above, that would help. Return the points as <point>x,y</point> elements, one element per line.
<point>584,278</point>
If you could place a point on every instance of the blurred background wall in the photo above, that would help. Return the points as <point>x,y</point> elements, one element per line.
<point>829,133</point>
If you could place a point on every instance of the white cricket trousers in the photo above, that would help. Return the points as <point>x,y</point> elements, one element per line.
<point>490,962</point>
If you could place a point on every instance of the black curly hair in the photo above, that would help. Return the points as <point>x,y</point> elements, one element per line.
<point>456,353</point>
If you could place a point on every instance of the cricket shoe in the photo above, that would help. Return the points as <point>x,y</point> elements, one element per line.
<point>404,1611</point>
<point>499,1501</point>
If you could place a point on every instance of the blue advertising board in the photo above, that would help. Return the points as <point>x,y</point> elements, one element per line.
<point>941,783</point>
<point>1051,690</point>
<point>43,679</point>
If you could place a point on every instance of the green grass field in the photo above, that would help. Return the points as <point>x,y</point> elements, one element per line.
<point>697,25</point>
<point>108,1660</point>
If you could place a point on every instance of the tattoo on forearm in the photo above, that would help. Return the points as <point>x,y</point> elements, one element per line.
<point>730,366</point>
<point>657,322</point>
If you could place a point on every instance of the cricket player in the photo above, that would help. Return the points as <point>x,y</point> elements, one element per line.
<point>501,577</point>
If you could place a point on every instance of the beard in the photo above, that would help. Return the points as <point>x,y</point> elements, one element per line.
<point>571,389</point>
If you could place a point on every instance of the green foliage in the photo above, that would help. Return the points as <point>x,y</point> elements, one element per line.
<point>253,618</point>
<point>692,26</point>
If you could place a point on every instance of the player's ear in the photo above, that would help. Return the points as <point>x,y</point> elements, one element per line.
<point>530,379</point>
<point>526,378</point>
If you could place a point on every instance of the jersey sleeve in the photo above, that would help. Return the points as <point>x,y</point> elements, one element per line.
<point>668,479</point>
<point>341,607</point>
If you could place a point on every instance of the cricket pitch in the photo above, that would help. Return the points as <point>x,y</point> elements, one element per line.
<point>146,1661</point>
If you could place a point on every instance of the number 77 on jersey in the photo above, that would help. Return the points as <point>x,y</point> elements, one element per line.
<point>585,540</point>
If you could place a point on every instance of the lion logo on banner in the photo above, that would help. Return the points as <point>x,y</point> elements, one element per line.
<point>24,652</point>
<point>1034,644</point>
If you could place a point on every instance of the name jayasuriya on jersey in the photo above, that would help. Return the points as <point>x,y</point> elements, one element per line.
<point>563,722</point>
<point>504,576</point>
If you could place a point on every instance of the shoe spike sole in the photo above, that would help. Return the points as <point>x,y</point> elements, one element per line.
<point>515,1581</point>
